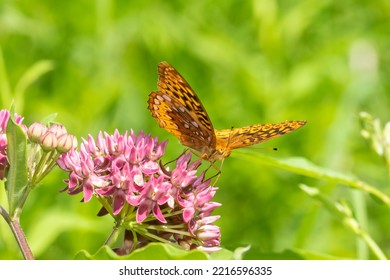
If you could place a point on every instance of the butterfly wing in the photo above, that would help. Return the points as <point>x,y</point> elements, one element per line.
<point>179,111</point>
<point>234,138</point>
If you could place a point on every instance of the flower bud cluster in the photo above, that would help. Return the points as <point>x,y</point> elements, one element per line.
<point>44,146</point>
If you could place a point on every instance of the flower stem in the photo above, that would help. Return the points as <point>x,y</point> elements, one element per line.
<point>105,204</point>
<point>375,249</point>
<point>170,229</point>
<point>42,169</point>
<point>113,236</point>
<point>19,235</point>
<point>22,200</point>
<point>153,237</point>
<point>48,169</point>
<point>39,167</point>
<point>344,215</point>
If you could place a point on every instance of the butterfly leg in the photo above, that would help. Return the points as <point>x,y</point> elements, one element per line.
<point>219,171</point>
<point>163,166</point>
<point>185,151</point>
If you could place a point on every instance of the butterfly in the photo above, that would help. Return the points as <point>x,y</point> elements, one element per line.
<point>179,111</point>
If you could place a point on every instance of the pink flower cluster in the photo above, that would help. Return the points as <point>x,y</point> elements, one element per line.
<point>124,171</point>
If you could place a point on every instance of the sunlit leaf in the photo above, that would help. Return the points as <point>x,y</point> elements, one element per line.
<point>153,251</point>
<point>17,157</point>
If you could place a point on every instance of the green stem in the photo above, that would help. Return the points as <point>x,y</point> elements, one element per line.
<point>344,214</point>
<point>167,229</point>
<point>42,169</point>
<point>373,246</point>
<point>19,235</point>
<point>151,236</point>
<point>47,170</point>
<point>106,205</point>
<point>22,201</point>
<point>113,236</point>
<point>39,167</point>
<point>304,167</point>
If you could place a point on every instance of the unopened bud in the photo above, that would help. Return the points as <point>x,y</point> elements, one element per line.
<point>35,132</point>
<point>66,142</point>
<point>58,129</point>
<point>48,141</point>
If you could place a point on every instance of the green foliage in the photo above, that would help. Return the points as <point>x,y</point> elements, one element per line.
<point>157,251</point>
<point>16,183</point>
<point>249,62</point>
<point>161,251</point>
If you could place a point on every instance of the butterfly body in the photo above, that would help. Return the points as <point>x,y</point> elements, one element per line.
<point>179,111</point>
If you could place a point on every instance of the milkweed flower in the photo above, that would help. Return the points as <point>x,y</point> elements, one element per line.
<point>146,198</point>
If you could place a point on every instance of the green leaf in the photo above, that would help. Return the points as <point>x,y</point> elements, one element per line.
<point>153,251</point>
<point>17,158</point>
<point>31,75</point>
<point>305,167</point>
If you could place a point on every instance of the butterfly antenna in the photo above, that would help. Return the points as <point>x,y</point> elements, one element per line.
<point>265,148</point>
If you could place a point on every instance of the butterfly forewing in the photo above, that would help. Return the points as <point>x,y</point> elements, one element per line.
<point>250,135</point>
<point>179,111</point>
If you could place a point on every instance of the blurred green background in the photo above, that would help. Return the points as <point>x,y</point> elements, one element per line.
<point>249,62</point>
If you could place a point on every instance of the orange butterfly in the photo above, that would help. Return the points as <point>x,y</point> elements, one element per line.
<point>179,111</point>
